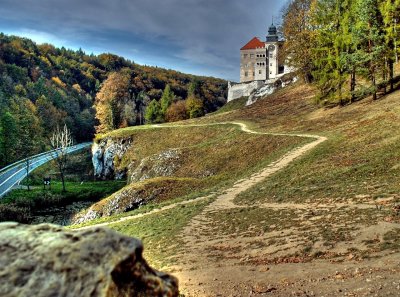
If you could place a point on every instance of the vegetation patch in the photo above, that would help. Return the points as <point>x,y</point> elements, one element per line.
<point>160,232</point>
<point>233,105</point>
<point>210,157</point>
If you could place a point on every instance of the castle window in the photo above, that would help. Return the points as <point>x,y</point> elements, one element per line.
<point>246,74</point>
<point>245,56</point>
<point>259,71</point>
<point>251,56</point>
<point>271,55</point>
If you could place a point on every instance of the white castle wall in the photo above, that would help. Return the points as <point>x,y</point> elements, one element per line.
<point>243,90</point>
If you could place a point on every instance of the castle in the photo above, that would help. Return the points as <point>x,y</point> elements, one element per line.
<point>260,60</point>
<point>261,64</point>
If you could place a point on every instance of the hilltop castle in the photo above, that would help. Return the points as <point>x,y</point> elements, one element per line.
<point>261,65</point>
<point>259,60</point>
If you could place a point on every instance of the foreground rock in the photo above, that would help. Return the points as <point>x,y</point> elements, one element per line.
<point>46,260</point>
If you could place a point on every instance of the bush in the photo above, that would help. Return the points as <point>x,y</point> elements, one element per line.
<point>10,212</point>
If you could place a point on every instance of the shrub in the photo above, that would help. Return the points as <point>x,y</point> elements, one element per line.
<point>10,212</point>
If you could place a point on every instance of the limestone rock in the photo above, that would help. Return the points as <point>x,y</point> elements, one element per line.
<point>47,260</point>
<point>164,164</point>
<point>104,156</point>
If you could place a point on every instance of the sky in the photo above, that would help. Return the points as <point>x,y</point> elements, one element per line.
<point>200,37</point>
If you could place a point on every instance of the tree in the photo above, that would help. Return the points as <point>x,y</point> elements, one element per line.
<point>194,88</point>
<point>111,100</point>
<point>369,33</point>
<point>141,102</point>
<point>29,131</point>
<point>390,10</point>
<point>60,141</point>
<point>299,37</point>
<point>194,107</point>
<point>166,99</point>
<point>49,115</point>
<point>331,54</point>
<point>153,113</point>
<point>176,112</point>
<point>8,137</point>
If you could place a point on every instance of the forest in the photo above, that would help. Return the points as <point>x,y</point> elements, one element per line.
<point>347,48</point>
<point>43,87</point>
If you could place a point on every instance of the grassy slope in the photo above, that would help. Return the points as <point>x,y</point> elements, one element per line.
<point>211,157</point>
<point>359,162</point>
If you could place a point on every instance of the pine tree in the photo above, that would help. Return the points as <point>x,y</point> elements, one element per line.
<point>166,99</point>
<point>330,54</point>
<point>153,113</point>
<point>371,45</point>
<point>390,10</point>
<point>194,107</point>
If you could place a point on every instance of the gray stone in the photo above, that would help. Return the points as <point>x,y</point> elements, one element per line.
<point>164,164</point>
<point>104,155</point>
<point>47,260</point>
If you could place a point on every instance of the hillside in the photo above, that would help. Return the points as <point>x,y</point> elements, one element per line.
<point>321,219</point>
<point>42,86</point>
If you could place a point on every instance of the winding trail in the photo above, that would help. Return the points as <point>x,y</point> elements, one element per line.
<point>225,199</point>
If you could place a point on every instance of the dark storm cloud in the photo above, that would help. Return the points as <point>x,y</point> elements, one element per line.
<point>201,36</point>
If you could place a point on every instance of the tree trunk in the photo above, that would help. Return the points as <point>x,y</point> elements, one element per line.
<point>391,74</point>
<point>353,85</point>
<point>63,182</point>
<point>62,177</point>
<point>374,97</point>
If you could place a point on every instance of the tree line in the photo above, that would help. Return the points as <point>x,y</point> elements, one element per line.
<point>347,48</point>
<point>43,87</point>
<point>117,105</point>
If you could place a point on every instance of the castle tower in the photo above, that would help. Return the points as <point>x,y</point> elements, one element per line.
<point>272,45</point>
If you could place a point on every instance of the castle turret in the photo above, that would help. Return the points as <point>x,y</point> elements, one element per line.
<point>272,34</point>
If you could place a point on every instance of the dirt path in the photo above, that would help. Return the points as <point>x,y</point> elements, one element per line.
<point>225,200</point>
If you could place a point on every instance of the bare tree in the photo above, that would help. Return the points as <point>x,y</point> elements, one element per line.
<point>60,141</point>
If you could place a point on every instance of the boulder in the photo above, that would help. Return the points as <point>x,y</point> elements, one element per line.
<point>47,260</point>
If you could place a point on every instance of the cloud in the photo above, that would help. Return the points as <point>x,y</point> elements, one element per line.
<point>197,35</point>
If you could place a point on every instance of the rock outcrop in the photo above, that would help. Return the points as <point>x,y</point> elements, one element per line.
<point>164,164</point>
<point>106,154</point>
<point>47,260</point>
<point>270,87</point>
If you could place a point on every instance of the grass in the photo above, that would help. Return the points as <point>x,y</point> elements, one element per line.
<point>209,158</point>
<point>232,105</point>
<point>39,198</point>
<point>360,162</point>
<point>360,159</point>
<point>160,232</point>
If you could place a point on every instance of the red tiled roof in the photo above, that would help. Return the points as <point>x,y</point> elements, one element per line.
<point>253,44</point>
